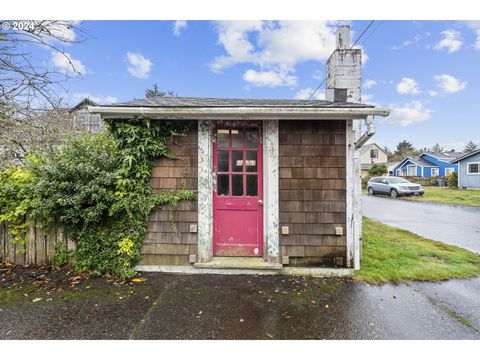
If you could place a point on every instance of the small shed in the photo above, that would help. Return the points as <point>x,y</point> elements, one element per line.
<point>469,170</point>
<point>278,181</point>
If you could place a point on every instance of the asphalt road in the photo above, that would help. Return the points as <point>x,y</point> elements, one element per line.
<point>248,307</point>
<point>451,224</point>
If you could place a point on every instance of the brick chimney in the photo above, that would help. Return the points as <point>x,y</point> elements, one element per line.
<point>344,70</point>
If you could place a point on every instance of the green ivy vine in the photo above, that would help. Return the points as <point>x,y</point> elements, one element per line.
<point>97,188</point>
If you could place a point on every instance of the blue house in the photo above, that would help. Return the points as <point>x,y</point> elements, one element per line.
<point>468,169</point>
<point>427,165</point>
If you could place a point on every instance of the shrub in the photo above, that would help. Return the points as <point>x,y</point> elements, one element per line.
<point>453,180</point>
<point>378,170</point>
<point>97,189</point>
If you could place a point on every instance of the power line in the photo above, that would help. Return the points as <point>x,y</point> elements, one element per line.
<point>355,43</point>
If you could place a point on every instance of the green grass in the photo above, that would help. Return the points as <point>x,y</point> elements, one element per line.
<point>448,196</point>
<point>394,255</point>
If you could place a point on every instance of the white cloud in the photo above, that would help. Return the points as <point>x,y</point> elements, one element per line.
<point>275,47</point>
<point>432,93</point>
<point>178,26</point>
<point>477,42</point>
<point>269,78</point>
<point>475,26</point>
<point>100,99</point>
<point>410,113</point>
<point>449,84</point>
<point>139,65</point>
<point>408,42</point>
<point>368,84</point>
<point>305,93</point>
<point>451,41</point>
<point>67,64</point>
<point>408,86</point>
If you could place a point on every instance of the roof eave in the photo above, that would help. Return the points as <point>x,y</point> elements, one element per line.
<point>188,113</point>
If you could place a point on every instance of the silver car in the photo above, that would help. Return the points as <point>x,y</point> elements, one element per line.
<point>393,186</point>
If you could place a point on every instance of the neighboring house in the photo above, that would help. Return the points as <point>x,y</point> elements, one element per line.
<point>468,169</point>
<point>391,166</point>
<point>371,154</point>
<point>85,121</point>
<point>277,181</point>
<point>427,165</point>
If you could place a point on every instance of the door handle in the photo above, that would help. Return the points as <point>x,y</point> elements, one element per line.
<point>260,202</point>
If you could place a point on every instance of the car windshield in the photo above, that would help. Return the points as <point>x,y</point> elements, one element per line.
<point>397,180</point>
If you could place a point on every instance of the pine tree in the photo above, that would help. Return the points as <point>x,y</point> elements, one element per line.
<point>437,148</point>
<point>155,91</point>
<point>470,147</point>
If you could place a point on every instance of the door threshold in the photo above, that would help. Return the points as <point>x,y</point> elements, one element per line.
<point>244,262</point>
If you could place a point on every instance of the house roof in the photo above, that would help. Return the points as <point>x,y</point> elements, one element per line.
<point>465,156</point>
<point>192,102</point>
<point>172,107</point>
<point>445,155</point>
<point>417,160</point>
<point>84,102</point>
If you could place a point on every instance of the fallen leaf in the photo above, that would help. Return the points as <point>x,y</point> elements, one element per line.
<point>270,335</point>
<point>75,278</point>
<point>8,264</point>
<point>326,306</point>
<point>138,280</point>
<point>287,316</point>
<point>147,297</point>
<point>313,301</point>
<point>241,320</point>
<point>36,300</point>
<point>87,287</point>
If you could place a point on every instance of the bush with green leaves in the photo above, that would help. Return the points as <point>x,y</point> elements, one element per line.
<point>453,180</point>
<point>96,188</point>
<point>378,170</point>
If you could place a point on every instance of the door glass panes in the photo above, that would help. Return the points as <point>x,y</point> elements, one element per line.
<point>251,136</point>
<point>237,138</point>
<point>251,161</point>
<point>222,184</point>
<point>237,161</point>
<point>223,161</point>
<point>252,185</point>
<point>237,185</point>
<point>222,138</point>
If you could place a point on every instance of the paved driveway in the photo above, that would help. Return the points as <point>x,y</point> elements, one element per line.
<point>246,307</point>
<point>451,224</point>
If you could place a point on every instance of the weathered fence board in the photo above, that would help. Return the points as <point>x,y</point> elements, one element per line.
<point>39,247</point>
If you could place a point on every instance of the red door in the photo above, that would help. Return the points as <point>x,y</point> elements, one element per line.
<point>238,194</point>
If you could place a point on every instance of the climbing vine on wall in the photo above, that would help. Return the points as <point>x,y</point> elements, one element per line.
<point>97,188</point>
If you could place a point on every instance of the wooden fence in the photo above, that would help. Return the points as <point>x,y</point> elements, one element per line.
<point>38,249</point>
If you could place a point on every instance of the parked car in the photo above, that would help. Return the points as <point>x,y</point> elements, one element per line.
<point>394,186</point>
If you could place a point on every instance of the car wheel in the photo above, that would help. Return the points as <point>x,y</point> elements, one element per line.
<point>393,193</point>
<point>370,191</point>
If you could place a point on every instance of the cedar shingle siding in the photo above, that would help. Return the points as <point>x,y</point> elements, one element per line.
<point>163,245</point>
<point>312,191</point>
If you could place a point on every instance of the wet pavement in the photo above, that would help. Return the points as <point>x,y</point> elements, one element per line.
<point>168,306</point>
<point>452,224</point>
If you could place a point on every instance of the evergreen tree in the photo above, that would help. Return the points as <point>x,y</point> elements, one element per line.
<point>156,91</point>
<point>437,148</point>
<point>470,147</point>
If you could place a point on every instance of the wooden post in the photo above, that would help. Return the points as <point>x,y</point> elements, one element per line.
<point>30,246</point>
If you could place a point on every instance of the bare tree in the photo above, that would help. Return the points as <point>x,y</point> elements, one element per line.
<point>25,81</point>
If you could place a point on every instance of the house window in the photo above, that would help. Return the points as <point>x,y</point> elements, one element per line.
<point>435,172</point>
<point>448,171</point>
<point>411,171</point>
<point>473,168</point>
<point>374,153</point>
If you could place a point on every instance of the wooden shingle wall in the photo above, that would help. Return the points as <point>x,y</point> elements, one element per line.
<point>164,245</point>
<point>312,182</point>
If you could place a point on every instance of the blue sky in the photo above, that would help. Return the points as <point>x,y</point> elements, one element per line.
<point>425,71</point>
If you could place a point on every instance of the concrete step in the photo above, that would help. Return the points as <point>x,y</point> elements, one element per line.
<point>255,263</point>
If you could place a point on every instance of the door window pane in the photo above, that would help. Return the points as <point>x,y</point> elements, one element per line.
<point>237,138</point>
<point>237,185</point>
<point>237,161</point>
<point>222,185</point>
<point>222,138</point>
<point>251,163</point>
<point>252,185</point>
<point>251,135</point>
<point>222,158</point>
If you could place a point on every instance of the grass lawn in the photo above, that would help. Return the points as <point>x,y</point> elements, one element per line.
<point>448,196</point>
<point>393,255</point>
